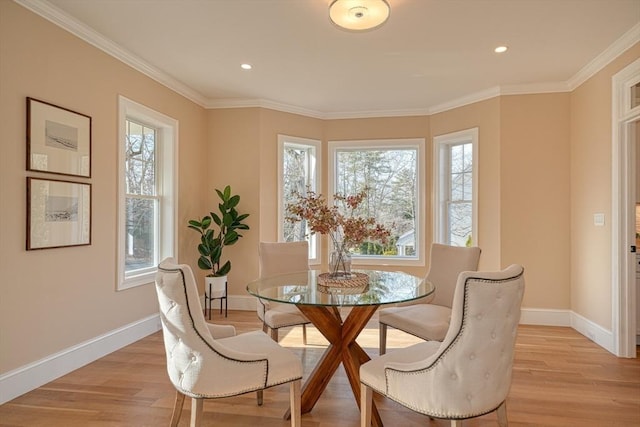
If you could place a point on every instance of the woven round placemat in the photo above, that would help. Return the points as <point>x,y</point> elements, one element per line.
<point>355,280</point>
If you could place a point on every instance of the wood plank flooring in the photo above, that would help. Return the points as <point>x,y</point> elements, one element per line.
<point>560,379</point>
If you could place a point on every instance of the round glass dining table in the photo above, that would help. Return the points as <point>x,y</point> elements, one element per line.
<point>320,301</point>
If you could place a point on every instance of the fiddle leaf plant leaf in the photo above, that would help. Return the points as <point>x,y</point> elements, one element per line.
<point>218,230</point>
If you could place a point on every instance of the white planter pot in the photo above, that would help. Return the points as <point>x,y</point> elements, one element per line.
<point>216,287</point>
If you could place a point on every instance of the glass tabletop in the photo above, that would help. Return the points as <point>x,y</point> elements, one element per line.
<point>372,287</point>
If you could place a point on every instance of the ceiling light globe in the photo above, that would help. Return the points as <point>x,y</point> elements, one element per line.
<point>359,15</point>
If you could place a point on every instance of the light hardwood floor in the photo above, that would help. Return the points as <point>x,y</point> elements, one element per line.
<point>560,378</point>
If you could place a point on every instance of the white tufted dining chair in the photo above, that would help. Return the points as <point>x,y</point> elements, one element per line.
<point>281,258</point>
<point>206,361</point>
<point>429,319</point>
<point>469,373</point>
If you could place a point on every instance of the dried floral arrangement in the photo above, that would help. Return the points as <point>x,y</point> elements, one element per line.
<point>340,222</point>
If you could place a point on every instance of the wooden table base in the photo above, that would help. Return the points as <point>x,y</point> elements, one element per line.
<point>342,348</point>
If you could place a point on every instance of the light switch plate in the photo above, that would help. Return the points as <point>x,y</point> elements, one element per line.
<point>598,219</point>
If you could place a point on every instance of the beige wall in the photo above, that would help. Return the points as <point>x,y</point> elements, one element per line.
<point>535,194</point>
<point>56,298</point>
<point>234,159</point>
<point>591,192</point>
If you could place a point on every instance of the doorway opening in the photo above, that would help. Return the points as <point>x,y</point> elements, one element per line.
<point>625,194</point>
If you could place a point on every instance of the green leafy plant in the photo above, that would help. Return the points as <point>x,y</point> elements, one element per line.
<point>217,231</point>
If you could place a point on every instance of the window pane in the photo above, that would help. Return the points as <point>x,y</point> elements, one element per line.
<point>389,176</point>
<point>468,186</point>
<point>454,188</point>
<point>457,158</point>
<point>140,159</point>
<point>298,175</point>
<point>460,215</point>
<point>140,234</point>
<point>295,182</point>
<point>467,157</point>
<point>457,186</point>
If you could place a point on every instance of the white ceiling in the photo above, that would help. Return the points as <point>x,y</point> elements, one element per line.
<point>429,55</point>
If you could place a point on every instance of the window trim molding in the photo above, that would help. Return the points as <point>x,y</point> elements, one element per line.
<point>413,143</point>
<point>303,142</point>
<point>168,131</point>
<point>439,143</point>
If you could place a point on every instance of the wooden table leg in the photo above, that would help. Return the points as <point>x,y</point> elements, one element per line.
<point>342,348</point>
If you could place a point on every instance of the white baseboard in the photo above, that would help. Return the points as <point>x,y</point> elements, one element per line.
<point>545,317</point>
<point>593,331</point>
<point>26,378</point>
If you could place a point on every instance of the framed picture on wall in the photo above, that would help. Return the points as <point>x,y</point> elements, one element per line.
<point>58,213</point>
<point>58,140</point>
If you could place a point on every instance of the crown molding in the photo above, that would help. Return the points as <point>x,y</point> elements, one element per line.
<point>466,100</point>
<point>533,88</point>
<point>46,10</point>
<point>51,13</point>
<point>618,47</point>
<point>214,104</point>
<point>378,113</point>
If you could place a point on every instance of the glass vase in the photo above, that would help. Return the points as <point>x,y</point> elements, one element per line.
<point>340,265</point>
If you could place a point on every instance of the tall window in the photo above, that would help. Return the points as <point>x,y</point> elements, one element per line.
<point>299,166</point>
<point>456,188</point>
<point>391,172</point>
<point>147,165</point>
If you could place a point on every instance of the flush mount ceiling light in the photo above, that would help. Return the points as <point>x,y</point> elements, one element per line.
<point>359,15</point>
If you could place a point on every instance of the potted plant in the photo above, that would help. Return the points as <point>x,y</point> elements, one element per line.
<point>218,230</point>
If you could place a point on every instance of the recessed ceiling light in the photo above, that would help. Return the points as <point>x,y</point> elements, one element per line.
<point>500,49</point>
<point>246,66</point>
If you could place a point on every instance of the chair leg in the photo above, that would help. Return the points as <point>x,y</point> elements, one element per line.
<point>177,409</point>
<point>294,402</point>
<point>304,334</point>
<point>265,328</point>
<point>366,403</point>
<point>274,334</point>
<point>260,397</point>
<point>196,411</point>
<point>502,414</point>
<point>456,423</point>
<point>383,338</point>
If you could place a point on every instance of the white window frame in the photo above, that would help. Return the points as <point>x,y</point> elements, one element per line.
<point>417,144</point>
<point>441,183</point>
<point>167,181</point>
<point>315,257</point>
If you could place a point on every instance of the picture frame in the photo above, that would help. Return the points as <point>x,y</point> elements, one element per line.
<point>58,213</point>
<point>58,139</point>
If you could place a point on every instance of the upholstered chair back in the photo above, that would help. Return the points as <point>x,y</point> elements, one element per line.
<point>188,342</point>
<point>283,257</point>
<point>446,262</point>
<point>470,373</point>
